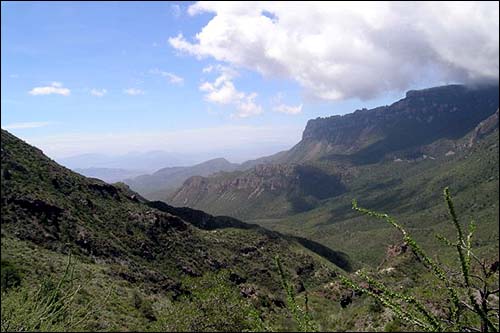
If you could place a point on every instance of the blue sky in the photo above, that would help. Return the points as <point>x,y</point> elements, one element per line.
<point>115,77</point>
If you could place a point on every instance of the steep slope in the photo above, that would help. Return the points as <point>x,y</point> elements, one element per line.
<point>268,190</point>
<point>166,179</point>
<point>48,207</point>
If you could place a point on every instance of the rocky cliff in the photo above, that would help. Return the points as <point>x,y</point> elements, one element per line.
<point>422,117</point>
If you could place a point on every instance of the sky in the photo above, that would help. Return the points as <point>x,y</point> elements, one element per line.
<point>233,79</point>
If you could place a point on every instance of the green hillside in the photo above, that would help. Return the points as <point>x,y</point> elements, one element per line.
<point>410,190</point>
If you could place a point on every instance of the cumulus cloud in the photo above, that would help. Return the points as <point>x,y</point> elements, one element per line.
<point>24,125</point>
<point>133,91</point>
<point>223,91</point>
<point>98,92</point>
<point>289,109</point>
<point>171,77</point>
<point>342,50</point>
<point>54,88</point>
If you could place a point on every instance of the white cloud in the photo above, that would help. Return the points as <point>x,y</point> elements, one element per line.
<point>25,125</point>
<point>98,92</point>
<point>133,91</point>
<point>14,76</point>
<point>289,109</point>
<point>171,77</point>
<point>54,88</point>
<point>338,50</point>
<point>223,91</point>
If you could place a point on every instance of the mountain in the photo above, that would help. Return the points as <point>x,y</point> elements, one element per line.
<point>422,117</point>
<point>136,245</point>
<point>410,189</point>
<point>427,125</point>
<point>167,179</point>
<point>109,175</point>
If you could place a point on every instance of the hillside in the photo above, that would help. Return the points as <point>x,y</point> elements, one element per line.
<point>167,179</point>
<point>132,244</point>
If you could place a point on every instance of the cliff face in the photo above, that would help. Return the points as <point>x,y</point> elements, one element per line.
<point>422,117</point>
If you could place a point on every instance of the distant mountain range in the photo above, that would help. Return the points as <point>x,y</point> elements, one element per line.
<point>170,178</point>
<point>151,173</point>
